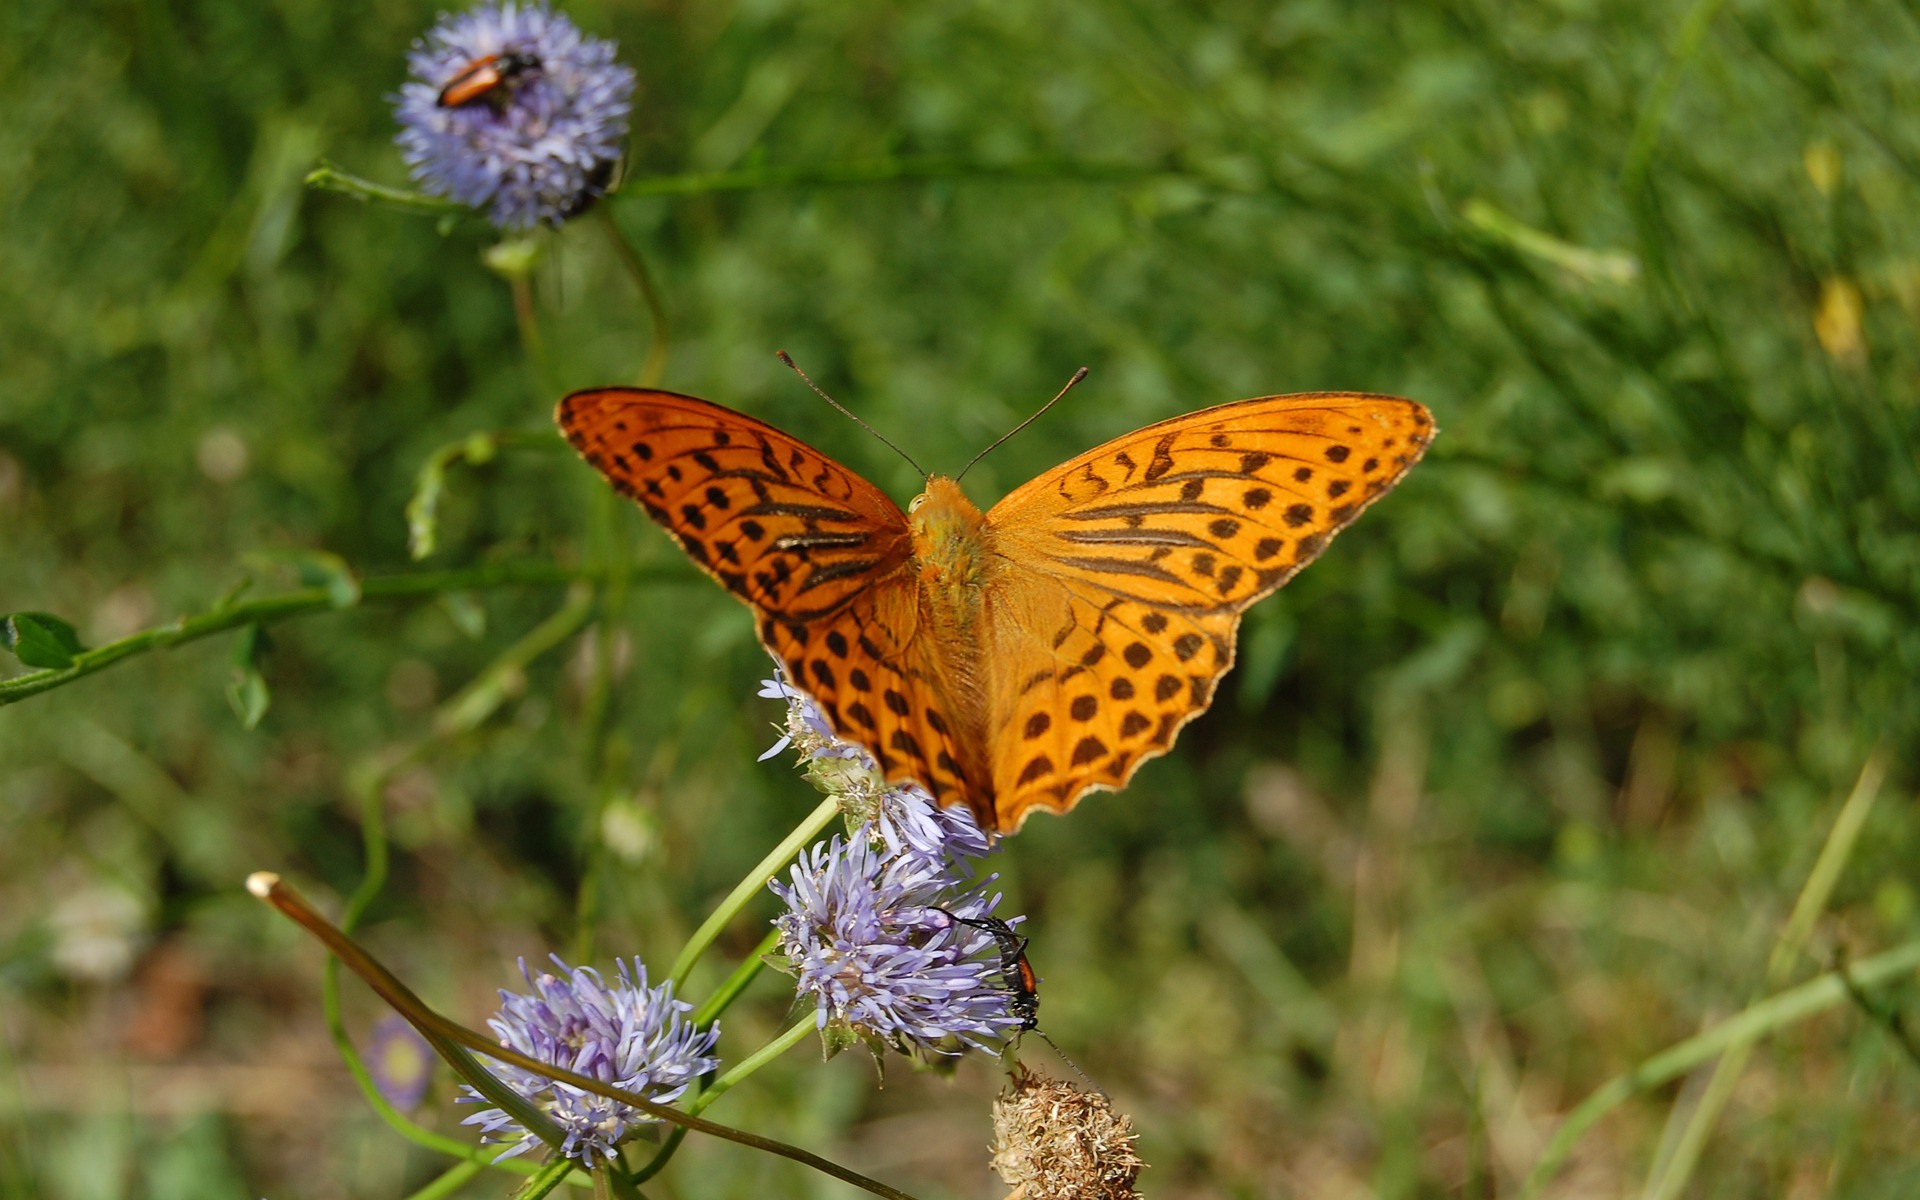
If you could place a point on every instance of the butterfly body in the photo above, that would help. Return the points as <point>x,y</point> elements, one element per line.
<point>1017,658</point>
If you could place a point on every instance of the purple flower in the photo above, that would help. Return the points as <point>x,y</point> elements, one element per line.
<point>900,816</point>
<point>874,939</point>
<point>401,1062</point>
<point>808,728</point>
<point>627,1034</point>
<point>512,109</point>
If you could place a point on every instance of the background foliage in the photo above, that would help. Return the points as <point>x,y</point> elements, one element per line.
<point>1513,789</point>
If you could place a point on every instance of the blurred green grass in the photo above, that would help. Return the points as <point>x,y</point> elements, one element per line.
<point>1511,790</point>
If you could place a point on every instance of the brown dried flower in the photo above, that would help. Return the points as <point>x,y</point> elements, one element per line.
<point>1053,1141</point>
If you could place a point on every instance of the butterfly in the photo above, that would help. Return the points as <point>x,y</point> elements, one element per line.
<point>1015,659</point>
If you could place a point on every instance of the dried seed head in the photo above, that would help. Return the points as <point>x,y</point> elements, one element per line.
<point>1053,1141</point>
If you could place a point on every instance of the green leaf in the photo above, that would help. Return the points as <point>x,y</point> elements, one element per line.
<point>837,1036</point>
<point>316,568</point>
<point>465,612</point>
<point>41,639</point>
<point>247,689</point>
<point>423,507</point>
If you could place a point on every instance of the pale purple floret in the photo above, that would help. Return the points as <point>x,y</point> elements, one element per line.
<point>875,929</point>
<point>537,152</point>
<point>903,816</point>
<point>625,1034</point>
<point>873,939</point>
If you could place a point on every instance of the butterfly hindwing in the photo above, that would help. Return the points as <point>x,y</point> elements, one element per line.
<point>1129,566</point>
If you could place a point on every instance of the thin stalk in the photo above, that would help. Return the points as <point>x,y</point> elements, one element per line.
<point>271,610</point>
<point>750,886</point>
<point>1756,1021</point>
<point>452,1179</point>
<point>439,1030</point>
<point>659,335</point>
<point>1653,115</point>
<point>329,178</point>
<point>1669,1178</point>
<point>737,982</point>
<point>483,695</point>
<point>548,1177</point>
<point>597,757</point>
<point>794,1035</point>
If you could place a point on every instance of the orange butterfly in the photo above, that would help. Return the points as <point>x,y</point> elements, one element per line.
<point>1015,659</point>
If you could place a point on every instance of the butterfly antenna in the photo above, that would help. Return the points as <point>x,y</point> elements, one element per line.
<point>1077,377</point>
<point>845,412</point>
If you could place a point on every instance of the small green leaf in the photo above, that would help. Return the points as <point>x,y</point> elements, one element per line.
<point>315,568</point>
<point>247,693</point>
<point>837,1036</point>
<point>465,613</point>
<point>247,689</point>
<point>41,639</point>
<point>430,484</point>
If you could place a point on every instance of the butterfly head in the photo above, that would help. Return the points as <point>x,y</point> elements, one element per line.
<point>946,528</point>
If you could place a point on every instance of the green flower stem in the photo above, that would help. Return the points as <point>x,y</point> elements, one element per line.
<point>451,1180</point>
<point>1646,130</point>
<point>273,609</point>
<point>458,1039</point>
<point>1669,1178</point>
<point>1756,1021</point>
<point>550,1176</point>
<point>660,335</point>
<point>328,178</point>
<point>888,170</point>
<point>747,888</point>
<point>603,755</point>
<point>467,708</point>
<point>794,1035</point>
<point>461,713</point>
<point>737,982</point>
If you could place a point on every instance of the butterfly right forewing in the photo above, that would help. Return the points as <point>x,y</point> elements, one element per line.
<point>1129,566</point>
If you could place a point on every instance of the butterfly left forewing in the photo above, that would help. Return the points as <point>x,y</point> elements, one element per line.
<point>1127,570</point>
<point>776,522</point>
<point>820,555</point>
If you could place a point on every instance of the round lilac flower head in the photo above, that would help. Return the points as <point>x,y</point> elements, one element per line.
<point>625,1033</point>
<point>881,944</point>
<point>901,817</point>
<point>401,1062</point>
<point>514,110</point>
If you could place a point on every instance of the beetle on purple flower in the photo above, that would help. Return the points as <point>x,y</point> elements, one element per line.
<point>513,110</point>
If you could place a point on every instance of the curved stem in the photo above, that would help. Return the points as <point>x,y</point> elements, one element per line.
<point>744,974</point>
<point>794,1035</point>
<point>273,609</point>
<point>889,170</point>
<point>450,1181</point>
<point>454,1041</point>
<point>555,1171</point>
<point>745,890</point>
<point>1775,1013</point>
<point>430,481</point>
<point>660,336</point>
<point>328,178</point>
